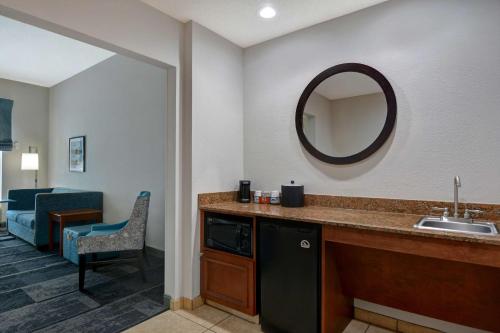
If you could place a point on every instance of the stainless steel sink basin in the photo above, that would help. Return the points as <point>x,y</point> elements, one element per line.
<point>456,225</point>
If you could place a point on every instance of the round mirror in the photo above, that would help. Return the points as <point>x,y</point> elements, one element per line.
<point>346,113</point>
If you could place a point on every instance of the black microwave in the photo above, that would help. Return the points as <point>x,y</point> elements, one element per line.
<point>228,233</point>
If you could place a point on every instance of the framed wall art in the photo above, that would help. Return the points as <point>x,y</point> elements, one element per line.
<point>77,154</point>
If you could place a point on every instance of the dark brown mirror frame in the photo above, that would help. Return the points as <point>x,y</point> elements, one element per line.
<point>390,119</point>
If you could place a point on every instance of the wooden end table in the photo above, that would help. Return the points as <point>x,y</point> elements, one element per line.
<point>86,215</point>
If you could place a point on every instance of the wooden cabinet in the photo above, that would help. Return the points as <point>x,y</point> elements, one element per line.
<point>228,280</point>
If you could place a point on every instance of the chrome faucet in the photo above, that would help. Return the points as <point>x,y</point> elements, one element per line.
<point>468,213</point>
<point>456,185</point>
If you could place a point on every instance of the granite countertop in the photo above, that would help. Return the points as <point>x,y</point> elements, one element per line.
<point>360,219</point>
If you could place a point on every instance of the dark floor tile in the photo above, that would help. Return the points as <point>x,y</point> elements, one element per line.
<point>10,283</point>
<point>29,265</point>
<point>5,251</point>
<point>14,299</point>
<point>69,283</point>
<point>48,273</point>
<point>13,258</point>
<point>11,242</point>
<point>4,236</point>
<point>7,270</point>
<point>155,252</point>
<point>44,274</point>
<point>153,259</point>
<point>157,295</point>
<point>113,317</point>
<point>109,292</point>
<point>37,315</point>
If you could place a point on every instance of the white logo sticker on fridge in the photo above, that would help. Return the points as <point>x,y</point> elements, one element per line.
<point>305,244</point>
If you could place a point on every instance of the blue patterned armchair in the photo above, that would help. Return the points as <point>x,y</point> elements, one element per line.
<point>128,236</point>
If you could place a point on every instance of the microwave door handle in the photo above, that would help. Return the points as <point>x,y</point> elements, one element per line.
<point>221,222</point>
<point>223,246</point>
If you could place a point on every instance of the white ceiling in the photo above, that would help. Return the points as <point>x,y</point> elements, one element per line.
<point>349,84</point>
<point>33,55</point>
<point>238,20</point>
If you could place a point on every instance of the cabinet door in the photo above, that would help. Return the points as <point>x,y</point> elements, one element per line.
<point>228,280</point>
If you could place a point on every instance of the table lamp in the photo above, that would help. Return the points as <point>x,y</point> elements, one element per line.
<point>29,161</point>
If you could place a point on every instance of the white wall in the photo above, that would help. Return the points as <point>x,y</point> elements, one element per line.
<point>29,127</point>
<point>217,102</point>
<point>119,104</point>
<point>214,95</point>
<point>440,57</point>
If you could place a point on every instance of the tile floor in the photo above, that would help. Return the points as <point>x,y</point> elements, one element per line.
<point>212,320</point>
<point>356,326</point>
<point>203,319</point>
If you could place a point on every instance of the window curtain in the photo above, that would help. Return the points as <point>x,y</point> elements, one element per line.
<point>6,124</point>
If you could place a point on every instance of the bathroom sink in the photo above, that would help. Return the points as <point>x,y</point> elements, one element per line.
<point>456,225</point>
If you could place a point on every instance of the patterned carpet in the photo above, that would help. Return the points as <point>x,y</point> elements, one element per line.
<point>39,293</point>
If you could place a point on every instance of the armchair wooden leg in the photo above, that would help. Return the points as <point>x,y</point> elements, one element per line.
<point>82,265</point>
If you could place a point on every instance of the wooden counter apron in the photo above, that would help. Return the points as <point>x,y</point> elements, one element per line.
<point>443,279</point>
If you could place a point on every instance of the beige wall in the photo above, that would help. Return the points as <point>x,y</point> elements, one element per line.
<point>213,122</point>
<point>119,105</point>
<point>29,128</point>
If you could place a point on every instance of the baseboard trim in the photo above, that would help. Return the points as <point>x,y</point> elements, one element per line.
<point>186,303</point>
<point>390,323</point>
<point>407,318</point>
<point>253,319</point>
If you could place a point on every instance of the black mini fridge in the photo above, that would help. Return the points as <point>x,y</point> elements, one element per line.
<point>289,269</point>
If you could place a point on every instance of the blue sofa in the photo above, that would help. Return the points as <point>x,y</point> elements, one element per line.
<point>27,217</point>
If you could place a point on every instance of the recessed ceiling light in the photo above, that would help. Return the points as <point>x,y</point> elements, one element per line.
<point>267,12</point>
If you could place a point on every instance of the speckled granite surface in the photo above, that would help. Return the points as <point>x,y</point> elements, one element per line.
<point>210,198</point>
<point>419,207</point>
<point>401,223</point>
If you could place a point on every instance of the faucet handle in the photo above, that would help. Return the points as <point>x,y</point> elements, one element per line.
<point>469,212</point>
<point>441,209</point>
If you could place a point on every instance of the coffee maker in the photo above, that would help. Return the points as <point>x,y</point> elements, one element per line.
<point>244,192</point>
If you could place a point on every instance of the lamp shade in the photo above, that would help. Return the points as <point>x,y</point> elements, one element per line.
<point>29,161</point>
